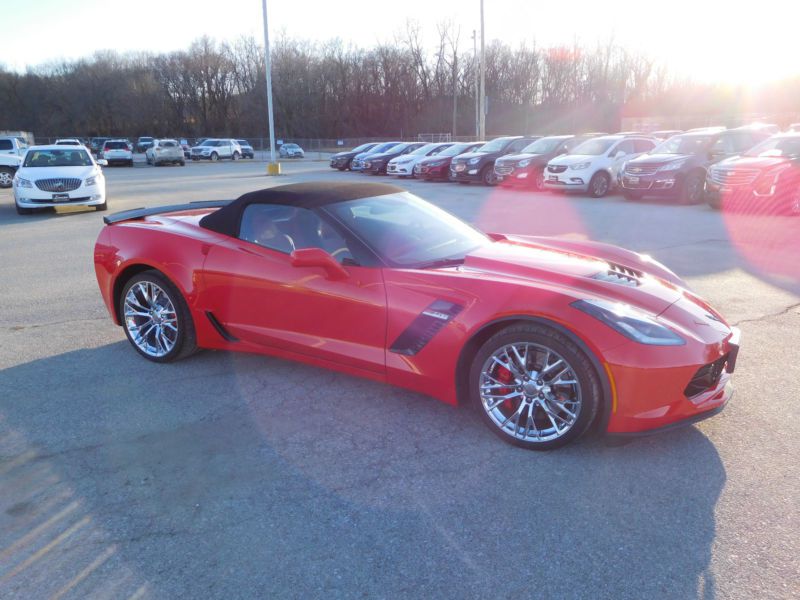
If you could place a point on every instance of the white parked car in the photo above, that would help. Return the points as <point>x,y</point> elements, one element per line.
<point>291,151</point>
<point>13,145</point>
<point>214,149</point>
<point>404,164</point>
<point>164,152</point>
<point>117,152</point>
<point>593,165</point>
<point>57,175</point>
<point>8,166</point>
<point>68,142</point>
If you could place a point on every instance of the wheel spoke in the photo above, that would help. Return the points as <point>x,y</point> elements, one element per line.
<point>549,368</point>
<point>514,414</point>
<point>498,400</point>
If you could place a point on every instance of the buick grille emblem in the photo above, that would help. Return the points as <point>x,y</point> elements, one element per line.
<point>59,186</point>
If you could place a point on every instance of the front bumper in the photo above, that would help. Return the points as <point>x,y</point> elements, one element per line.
<point>426,172</point>
<point>402,169</point>
<point>465,172</point>
<point>568,180</point>
<point>83,196</point>
<point>515,176</point>
<point>658,184</point>
<point>650,397</point>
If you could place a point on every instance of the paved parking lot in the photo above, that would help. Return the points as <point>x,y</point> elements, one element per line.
<point>235,476</point>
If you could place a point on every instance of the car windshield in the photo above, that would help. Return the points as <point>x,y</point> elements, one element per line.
<point>168,144</point>
<point>116,146</point>
<point>243,142</point>
<point>684,144</point>
<point>209,143</point>
<point>543,146</point>
<point>146,139</point>
<point>58,158</point>
<point>408,232</point>
<point>362,148</point>
<point>594,147</point>
<point>777,146</point>
<point>423,150</point>
<point>495,145</point>
<point>383,147</point>
<point>456,149</point>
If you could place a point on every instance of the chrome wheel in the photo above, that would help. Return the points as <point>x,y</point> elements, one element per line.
<point>6,177</point>
<point>530,392</point>
<point>599,184</point>
<point>150,319</point>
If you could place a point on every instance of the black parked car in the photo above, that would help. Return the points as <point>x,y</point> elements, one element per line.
<point>766,178</point>
<point>478,166</point>
<point>375,164</point>
<point>343,160</point>
<point>526,169</point>
<point>677,167</point>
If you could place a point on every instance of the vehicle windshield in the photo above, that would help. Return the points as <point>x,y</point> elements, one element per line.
<point>363,147</point>
<point>594,147</point>
<point>168,144</point>
<point>543,146</point>
<point>58,158</point>
<point>423,150</point>
<point>290,146</point>
<point>495,145</point>
<point>116,146</point>
<point>383,147</point>
<point>684,144</point>
<point>408,232</point>
<point>146,139</point>
<point>209,143</point>
<point>778,146</point>
<point>243,142</point>
<point>456,149</point>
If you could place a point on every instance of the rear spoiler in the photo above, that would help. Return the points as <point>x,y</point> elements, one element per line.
<point>140,213</point>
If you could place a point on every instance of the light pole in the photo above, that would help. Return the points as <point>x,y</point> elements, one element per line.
<point>483,82</point>
<point>273,168</point>
<point>475,69</point>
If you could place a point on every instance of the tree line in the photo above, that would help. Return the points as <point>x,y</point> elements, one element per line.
<point>335,90</point>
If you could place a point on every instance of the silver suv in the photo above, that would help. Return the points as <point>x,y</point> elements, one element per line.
<point>214,149</point>
<point>164,152</point>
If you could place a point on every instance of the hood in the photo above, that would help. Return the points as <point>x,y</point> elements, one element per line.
<point>431,159</point>
<point>514,158</point>
<point>36,173</point>
<point>584,275</point>
<point>754,162</point>
<point>469,155</point>
<point>574,159</point>
<point>659,159</point>
<point>345,154</point>
<point>383,155</point>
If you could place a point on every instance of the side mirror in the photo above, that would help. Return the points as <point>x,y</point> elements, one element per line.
<point>317,257</point>
<point>102,162</point>
<point>619,154</point>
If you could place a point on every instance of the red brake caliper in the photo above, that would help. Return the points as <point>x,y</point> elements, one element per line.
<point>503,375</point>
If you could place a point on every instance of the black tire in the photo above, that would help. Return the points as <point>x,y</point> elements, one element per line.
<point>538,180</point>
<point>24,211</point>
<point>186,341</point>
<point>236,156</point>
<point>102,207</point>
<point>6,177</point>
<point>714,202</point>
<point>547,337</point>
<point>599,184</point>
<point>693,189</point>
<point>487,176</point>
<point>182,163</point>
<point>130,163</point>
<point>214,157</point>
<point>632,195</point>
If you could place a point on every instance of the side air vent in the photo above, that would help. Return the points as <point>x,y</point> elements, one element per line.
<point>424,327</point>
<point>620,274</point>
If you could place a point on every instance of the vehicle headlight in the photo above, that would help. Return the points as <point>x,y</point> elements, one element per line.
<point>474,161</point>
<point>90,181</point>
<point>580,166</point>
<point>631,322</point>
<point>436,163</point>
<point>524,163</point>
<point>673,166</point>
<point>24,183</point>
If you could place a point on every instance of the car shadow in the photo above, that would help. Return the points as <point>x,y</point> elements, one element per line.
<point>231,475</point>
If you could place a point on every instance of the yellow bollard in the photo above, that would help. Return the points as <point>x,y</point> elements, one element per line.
<point>274,168</point>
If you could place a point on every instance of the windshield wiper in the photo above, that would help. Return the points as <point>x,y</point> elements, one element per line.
<point>441,263</point>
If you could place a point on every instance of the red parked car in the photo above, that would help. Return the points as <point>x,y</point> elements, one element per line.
<point>438,167</point>
<point>547,338</point>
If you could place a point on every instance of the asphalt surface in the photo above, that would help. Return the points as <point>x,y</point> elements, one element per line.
<point>236,476</point>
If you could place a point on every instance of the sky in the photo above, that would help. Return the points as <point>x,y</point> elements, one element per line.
<point>707,40</point>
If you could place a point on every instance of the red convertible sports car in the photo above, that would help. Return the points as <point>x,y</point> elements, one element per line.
<point>546,337</point>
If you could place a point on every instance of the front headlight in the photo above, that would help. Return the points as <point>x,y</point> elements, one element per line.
<point>474,161</point>
<point>523,163</point>
<point>673,166</point>
<point>24,183</point>
<point>631,322</point>
<point>436,163</point>
<point>580,166</point>
<point>90,181</point>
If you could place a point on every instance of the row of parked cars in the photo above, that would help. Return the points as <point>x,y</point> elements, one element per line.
<point>754,163</point>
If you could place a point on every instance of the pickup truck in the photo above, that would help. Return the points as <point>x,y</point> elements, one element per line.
<point>8,166</point>
<point>13,145</point>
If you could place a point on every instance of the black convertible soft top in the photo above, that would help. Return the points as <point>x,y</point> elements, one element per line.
<point>226,220</point>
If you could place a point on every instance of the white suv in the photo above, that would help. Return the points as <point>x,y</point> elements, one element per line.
<point>165,151</point>
<point>214,149</point>
<point>117,152</point>
<point>593,165</point>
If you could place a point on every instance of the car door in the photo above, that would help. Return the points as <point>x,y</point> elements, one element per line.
<point>259,296</point>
